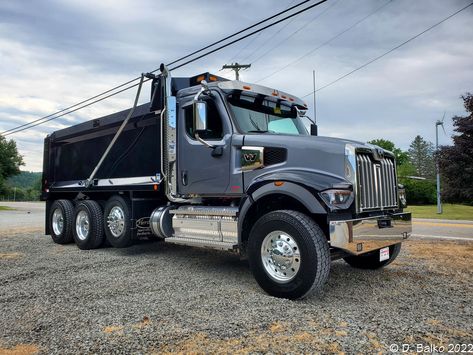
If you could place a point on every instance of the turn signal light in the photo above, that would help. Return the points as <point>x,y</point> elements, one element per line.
<point>246,87</point>
<point>278,183</point>
<point>200,78</point>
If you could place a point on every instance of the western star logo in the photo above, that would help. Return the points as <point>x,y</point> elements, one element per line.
<point>250,157</point>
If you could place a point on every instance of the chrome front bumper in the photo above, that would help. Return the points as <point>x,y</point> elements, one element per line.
<point>358,236</point>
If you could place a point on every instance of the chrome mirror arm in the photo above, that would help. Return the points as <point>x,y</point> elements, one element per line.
<point>207,144</point>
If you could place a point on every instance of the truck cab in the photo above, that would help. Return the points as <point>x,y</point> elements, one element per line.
<point>237,169</point>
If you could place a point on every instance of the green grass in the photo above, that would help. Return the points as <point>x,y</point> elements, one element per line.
<point>6,208</point>
<point>450,211</point>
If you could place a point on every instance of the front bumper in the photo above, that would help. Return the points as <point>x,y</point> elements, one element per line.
<point>358,236</point>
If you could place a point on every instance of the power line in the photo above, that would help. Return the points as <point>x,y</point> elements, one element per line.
<point>249,34</point>
<point>279,43</point>
<point>391,50</point>
<point>74,110</point>
<point>63,112</point>
<point>325,43</point>
<point>235,56</point>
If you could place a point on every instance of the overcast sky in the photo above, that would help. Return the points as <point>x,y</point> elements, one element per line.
<point>54,53</point>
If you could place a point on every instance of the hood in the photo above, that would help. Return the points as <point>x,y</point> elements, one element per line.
<point>315,160</point>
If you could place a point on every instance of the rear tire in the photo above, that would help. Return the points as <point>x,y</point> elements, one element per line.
<point>117,222</point>
<point>371,261</point>
<point>88,225</point>
<point>288,254</point>
<point>61,220</point>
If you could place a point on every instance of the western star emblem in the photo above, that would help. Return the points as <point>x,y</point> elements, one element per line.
<point>250,157</point>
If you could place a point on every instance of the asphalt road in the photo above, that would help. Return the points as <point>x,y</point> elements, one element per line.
<point>30,216</point>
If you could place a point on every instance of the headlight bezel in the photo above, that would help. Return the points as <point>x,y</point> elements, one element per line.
<point>337,199</point>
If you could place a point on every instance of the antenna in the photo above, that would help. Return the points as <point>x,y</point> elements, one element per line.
<point>315,109</point>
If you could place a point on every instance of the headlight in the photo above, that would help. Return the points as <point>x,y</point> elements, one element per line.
<point>337,199</point>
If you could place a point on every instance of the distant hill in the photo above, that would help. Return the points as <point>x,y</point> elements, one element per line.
<point>25,180</point>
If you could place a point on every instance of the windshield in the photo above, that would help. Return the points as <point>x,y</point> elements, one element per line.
<point>256,113</point>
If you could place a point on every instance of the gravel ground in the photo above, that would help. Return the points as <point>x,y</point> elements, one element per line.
<point>155,297</point>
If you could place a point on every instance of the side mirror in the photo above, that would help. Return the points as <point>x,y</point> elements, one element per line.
<point>200,116</point>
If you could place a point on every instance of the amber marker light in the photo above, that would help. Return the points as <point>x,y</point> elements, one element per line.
<point>278,183</point>
<point>200,78</point>
<point>213,78</point>
<point>155,187</point>
<point>246,87</point>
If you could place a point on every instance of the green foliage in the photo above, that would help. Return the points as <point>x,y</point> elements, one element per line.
<point>25,180</point>
<point>456,162</point>
<point>420,192</point>
<point>27,184</point>
<point>401,157</point>
<point>10,159</point>
<point>421,156</point>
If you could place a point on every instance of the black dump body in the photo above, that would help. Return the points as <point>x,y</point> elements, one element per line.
<point>71,154</point>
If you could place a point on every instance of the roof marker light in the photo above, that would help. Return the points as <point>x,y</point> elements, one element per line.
<point>246,87</point>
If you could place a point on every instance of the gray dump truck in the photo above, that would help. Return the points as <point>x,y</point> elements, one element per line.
<point>218,163</point>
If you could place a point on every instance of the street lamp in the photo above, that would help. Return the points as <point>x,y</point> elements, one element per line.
<point>437,124</point>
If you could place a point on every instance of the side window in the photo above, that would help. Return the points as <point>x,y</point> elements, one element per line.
<point>214,121</point>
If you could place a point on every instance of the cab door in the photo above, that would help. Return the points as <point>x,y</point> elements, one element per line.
<point>203,170</point>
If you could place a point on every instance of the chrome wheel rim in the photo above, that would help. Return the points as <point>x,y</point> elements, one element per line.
<point>58,221</point>
<point>116,221</point>
<point>82,225</point>
<point>280,256</point>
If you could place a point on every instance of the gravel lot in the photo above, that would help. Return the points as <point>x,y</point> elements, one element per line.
<point>155,297</point>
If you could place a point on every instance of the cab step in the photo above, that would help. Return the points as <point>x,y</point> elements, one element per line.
<point>202,243</point>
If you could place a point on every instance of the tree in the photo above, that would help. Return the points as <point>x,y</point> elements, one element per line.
<point>456,162</point>
<point>421,156</point>
<point>10,159</point>
<point>401,157</point>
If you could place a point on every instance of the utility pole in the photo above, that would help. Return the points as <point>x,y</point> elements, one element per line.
<point>439,200</point>
<point>236,67</point>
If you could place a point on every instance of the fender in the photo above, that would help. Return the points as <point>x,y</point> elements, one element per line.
<point>291,189</point>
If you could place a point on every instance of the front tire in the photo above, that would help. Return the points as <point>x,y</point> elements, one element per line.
<point>88,225</point>
<point>371,261</point>
<point>288,254</point>
<point>61,220</point>
<point>117,222</point>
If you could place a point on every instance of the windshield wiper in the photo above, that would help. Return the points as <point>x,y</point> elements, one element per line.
<point>254,123</point>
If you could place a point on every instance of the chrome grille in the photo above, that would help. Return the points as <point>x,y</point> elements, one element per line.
<point>377,183</point>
